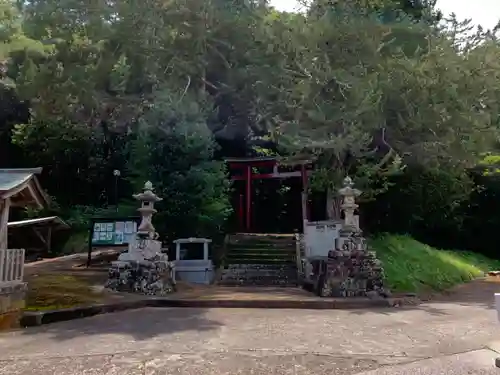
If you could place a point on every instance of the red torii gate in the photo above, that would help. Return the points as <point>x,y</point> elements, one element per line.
<point>246,167</point>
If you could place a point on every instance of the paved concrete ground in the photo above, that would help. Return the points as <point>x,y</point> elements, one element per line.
<point>449,336</point>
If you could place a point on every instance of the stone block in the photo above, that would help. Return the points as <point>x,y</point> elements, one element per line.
<point>154,277</point>
<point>10,320</point>
<point>12,303</point>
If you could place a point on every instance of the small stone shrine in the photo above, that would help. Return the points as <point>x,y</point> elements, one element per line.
<point>143,268</point>
<point>352,270</point>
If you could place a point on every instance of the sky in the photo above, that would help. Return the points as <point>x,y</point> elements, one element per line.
<point>482,12</point>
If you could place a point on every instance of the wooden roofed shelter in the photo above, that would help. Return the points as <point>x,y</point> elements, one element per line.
<point>25,233</point>
<point>18,188</point>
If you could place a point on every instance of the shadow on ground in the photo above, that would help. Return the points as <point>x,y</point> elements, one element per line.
<point>140,324</point>
<point>478,293</point>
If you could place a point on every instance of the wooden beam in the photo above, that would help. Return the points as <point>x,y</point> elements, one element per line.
<point>265,176</point>
<point>42,192</point>
<point>40,236</point>
<point>14,191</point>
<point>252,164</point>
<point>35,196</point>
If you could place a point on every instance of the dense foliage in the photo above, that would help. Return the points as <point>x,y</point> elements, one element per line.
<point>388,91</point>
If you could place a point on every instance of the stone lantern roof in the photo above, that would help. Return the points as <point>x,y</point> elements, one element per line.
<point>147,195</point>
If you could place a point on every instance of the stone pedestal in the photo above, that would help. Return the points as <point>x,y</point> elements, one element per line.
<point>12,303</point>
<point>353,270</point>
<point>135,273</point>
<point>140,250</point>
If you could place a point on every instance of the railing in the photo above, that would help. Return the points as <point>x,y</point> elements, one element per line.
<point>299,252</point>
<point>11,265</point>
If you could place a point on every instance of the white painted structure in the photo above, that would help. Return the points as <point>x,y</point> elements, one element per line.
<point>196,271</point>
<point>11,266</point>
<point>319,237</point>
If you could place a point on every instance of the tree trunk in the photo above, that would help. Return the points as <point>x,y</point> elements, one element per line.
<point>333,203</point>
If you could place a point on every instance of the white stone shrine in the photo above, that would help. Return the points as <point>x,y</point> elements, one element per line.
<point>198,269</point>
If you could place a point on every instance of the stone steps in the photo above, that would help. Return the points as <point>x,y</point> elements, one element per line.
<point>260,260</point>
<point>260,256</point>
<point>259,275</point>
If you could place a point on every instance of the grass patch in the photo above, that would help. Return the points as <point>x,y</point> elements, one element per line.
<point>411,266</point>
<point>56,291</point>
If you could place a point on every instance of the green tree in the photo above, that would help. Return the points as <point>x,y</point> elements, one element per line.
<point>174,150</point>
<point>352,80</point>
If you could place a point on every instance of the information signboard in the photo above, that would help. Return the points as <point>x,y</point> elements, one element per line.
<point>111,232</point>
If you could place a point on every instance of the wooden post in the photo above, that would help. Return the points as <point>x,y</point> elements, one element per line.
<point>49,239</point>
<point>241,214</point>
<point>89,249</point>
<point>305,195</point>
<point>248,184</point>
<point>4,219</point>
<point>304,210</point>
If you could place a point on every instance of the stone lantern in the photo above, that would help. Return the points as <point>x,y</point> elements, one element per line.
<point>148,199</point>
<point>349,195</point>
<point>144,268</point>
<point>352,270</point>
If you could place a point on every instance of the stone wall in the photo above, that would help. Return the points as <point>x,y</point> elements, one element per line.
<point>12,303</point>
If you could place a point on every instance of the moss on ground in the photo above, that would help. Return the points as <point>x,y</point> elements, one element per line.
<point>58,291</point>
<point>411,266</point>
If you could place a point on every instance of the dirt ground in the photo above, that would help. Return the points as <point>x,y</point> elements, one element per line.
<point>97,274</point>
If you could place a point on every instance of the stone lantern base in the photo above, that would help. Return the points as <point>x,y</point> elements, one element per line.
<point>353,270</point>
<point>144,270</point>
